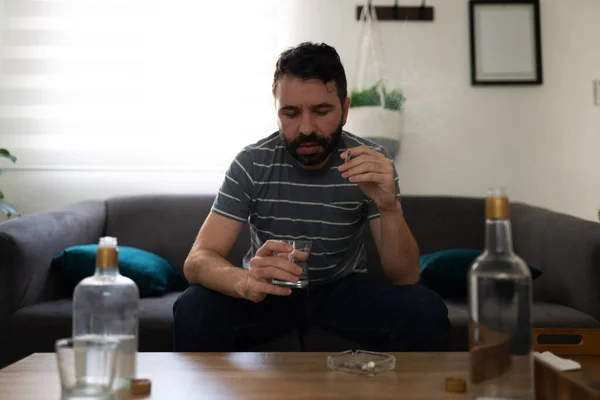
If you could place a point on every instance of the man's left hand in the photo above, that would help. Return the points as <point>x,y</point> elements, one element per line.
<point>374,174</point>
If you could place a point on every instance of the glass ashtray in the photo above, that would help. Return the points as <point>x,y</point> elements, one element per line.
<point>361,362</point>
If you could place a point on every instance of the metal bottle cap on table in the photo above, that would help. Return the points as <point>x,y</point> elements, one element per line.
<point>456,385</point>
<point>140,386</point>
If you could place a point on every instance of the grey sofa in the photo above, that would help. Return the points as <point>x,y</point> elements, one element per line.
<point>35,308</point>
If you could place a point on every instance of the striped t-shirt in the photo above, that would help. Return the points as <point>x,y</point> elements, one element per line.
<point>266,187</point>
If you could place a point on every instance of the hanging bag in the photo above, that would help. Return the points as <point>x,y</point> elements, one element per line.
<point>375,109</point>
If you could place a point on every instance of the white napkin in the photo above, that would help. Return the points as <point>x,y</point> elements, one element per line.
<point>562,364</point>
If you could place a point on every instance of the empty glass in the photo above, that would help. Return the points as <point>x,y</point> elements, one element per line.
<point>299,256</point>
<point>86,366</point>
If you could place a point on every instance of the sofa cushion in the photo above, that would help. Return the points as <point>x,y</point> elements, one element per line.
<point>445,222</point>
<point>446,271</point>
<point>165,225</point>
<point>155,333</point>
<point>152,274</point>
<point>53,318</point>
<point>545,315</point>
<point>35,328</point>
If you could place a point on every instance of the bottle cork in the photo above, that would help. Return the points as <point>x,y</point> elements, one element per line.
<point>140,386</point>
<point>456,385</point>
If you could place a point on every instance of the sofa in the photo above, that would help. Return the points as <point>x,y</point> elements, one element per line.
<point>35,305</point>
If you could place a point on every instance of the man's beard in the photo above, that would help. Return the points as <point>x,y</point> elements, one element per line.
<point>328,143</point>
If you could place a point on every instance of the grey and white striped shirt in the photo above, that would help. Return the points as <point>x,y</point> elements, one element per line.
<point>265,187</point>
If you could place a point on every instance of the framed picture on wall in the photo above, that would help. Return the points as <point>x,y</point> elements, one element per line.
<point>505,42</point>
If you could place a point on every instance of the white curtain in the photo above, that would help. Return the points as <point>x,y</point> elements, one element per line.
<point>136,84</point>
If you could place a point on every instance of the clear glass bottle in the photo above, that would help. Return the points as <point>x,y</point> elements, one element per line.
<point>107,304</point>
<point>500,303</point>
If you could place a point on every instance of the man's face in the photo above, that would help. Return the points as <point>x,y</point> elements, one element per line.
<point>310,118</point>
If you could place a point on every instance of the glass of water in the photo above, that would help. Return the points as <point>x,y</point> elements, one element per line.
<point>86,367</point>
<point>299,256</point>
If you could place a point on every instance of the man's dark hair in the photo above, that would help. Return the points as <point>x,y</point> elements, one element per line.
<point>312,61</point>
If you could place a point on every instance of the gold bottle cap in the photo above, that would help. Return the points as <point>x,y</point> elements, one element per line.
<point>456,385</point>
<point>497,204</point>
<point>140,386</point>
<point>107,255</point>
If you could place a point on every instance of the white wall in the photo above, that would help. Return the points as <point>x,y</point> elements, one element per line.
<point>558,139</point>
<point>542,143</point>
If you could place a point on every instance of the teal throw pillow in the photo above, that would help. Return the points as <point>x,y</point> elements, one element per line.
<point>152,274</point>
<point>446,272</point>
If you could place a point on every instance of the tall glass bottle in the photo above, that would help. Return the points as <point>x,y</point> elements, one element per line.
<point>500,302</point>
<point>107,304</point>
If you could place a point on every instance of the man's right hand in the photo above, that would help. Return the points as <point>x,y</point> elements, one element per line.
<point>267,265</point>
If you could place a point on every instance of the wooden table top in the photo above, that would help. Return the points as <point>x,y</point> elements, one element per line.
<point>269,376</point>
<point>262,376</point>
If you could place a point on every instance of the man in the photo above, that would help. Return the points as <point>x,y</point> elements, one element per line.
<point>310,180</point>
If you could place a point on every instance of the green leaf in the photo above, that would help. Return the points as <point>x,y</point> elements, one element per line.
<point>6,154</point>
<point>1,195</point>
<point>393,100</point>
<point>9,210</point>
<point>367,97</point>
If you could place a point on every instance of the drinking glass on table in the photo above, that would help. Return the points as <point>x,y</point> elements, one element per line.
<point>86,366</point>
<point>298,256</point>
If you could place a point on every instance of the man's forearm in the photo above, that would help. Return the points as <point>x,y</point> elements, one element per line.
<point>399,252</point>
<point>211,270</point>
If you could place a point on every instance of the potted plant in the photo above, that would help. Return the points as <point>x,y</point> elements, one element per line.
<point>375,95</point>
<point>376,110</point>
<point>376,113</point>
<point>8,209</point>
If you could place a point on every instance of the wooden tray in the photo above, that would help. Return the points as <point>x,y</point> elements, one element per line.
<point>581,345</point>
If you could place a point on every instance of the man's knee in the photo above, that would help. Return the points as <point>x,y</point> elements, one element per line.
<point>199,319</point>
<point>195,301</point>
<point>433,312</point>
<point>430,323</point>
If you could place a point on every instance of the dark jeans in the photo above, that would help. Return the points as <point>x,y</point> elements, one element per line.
<point>362,308</point>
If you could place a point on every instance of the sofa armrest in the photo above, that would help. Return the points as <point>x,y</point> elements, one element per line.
<point>566,249</point>
<point>28,244</point>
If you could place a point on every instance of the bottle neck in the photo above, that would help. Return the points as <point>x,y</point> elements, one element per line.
<point>107,262</point>
<point>107,271</point>
<point>498,236</point>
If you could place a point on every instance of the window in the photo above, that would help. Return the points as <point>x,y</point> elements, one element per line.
<point>136,84</point>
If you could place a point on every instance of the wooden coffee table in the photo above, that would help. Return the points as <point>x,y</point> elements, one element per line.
<point>265,376</point>
<point>292,376</point>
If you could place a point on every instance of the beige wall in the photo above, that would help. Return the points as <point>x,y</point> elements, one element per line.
<point>542,143</point>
